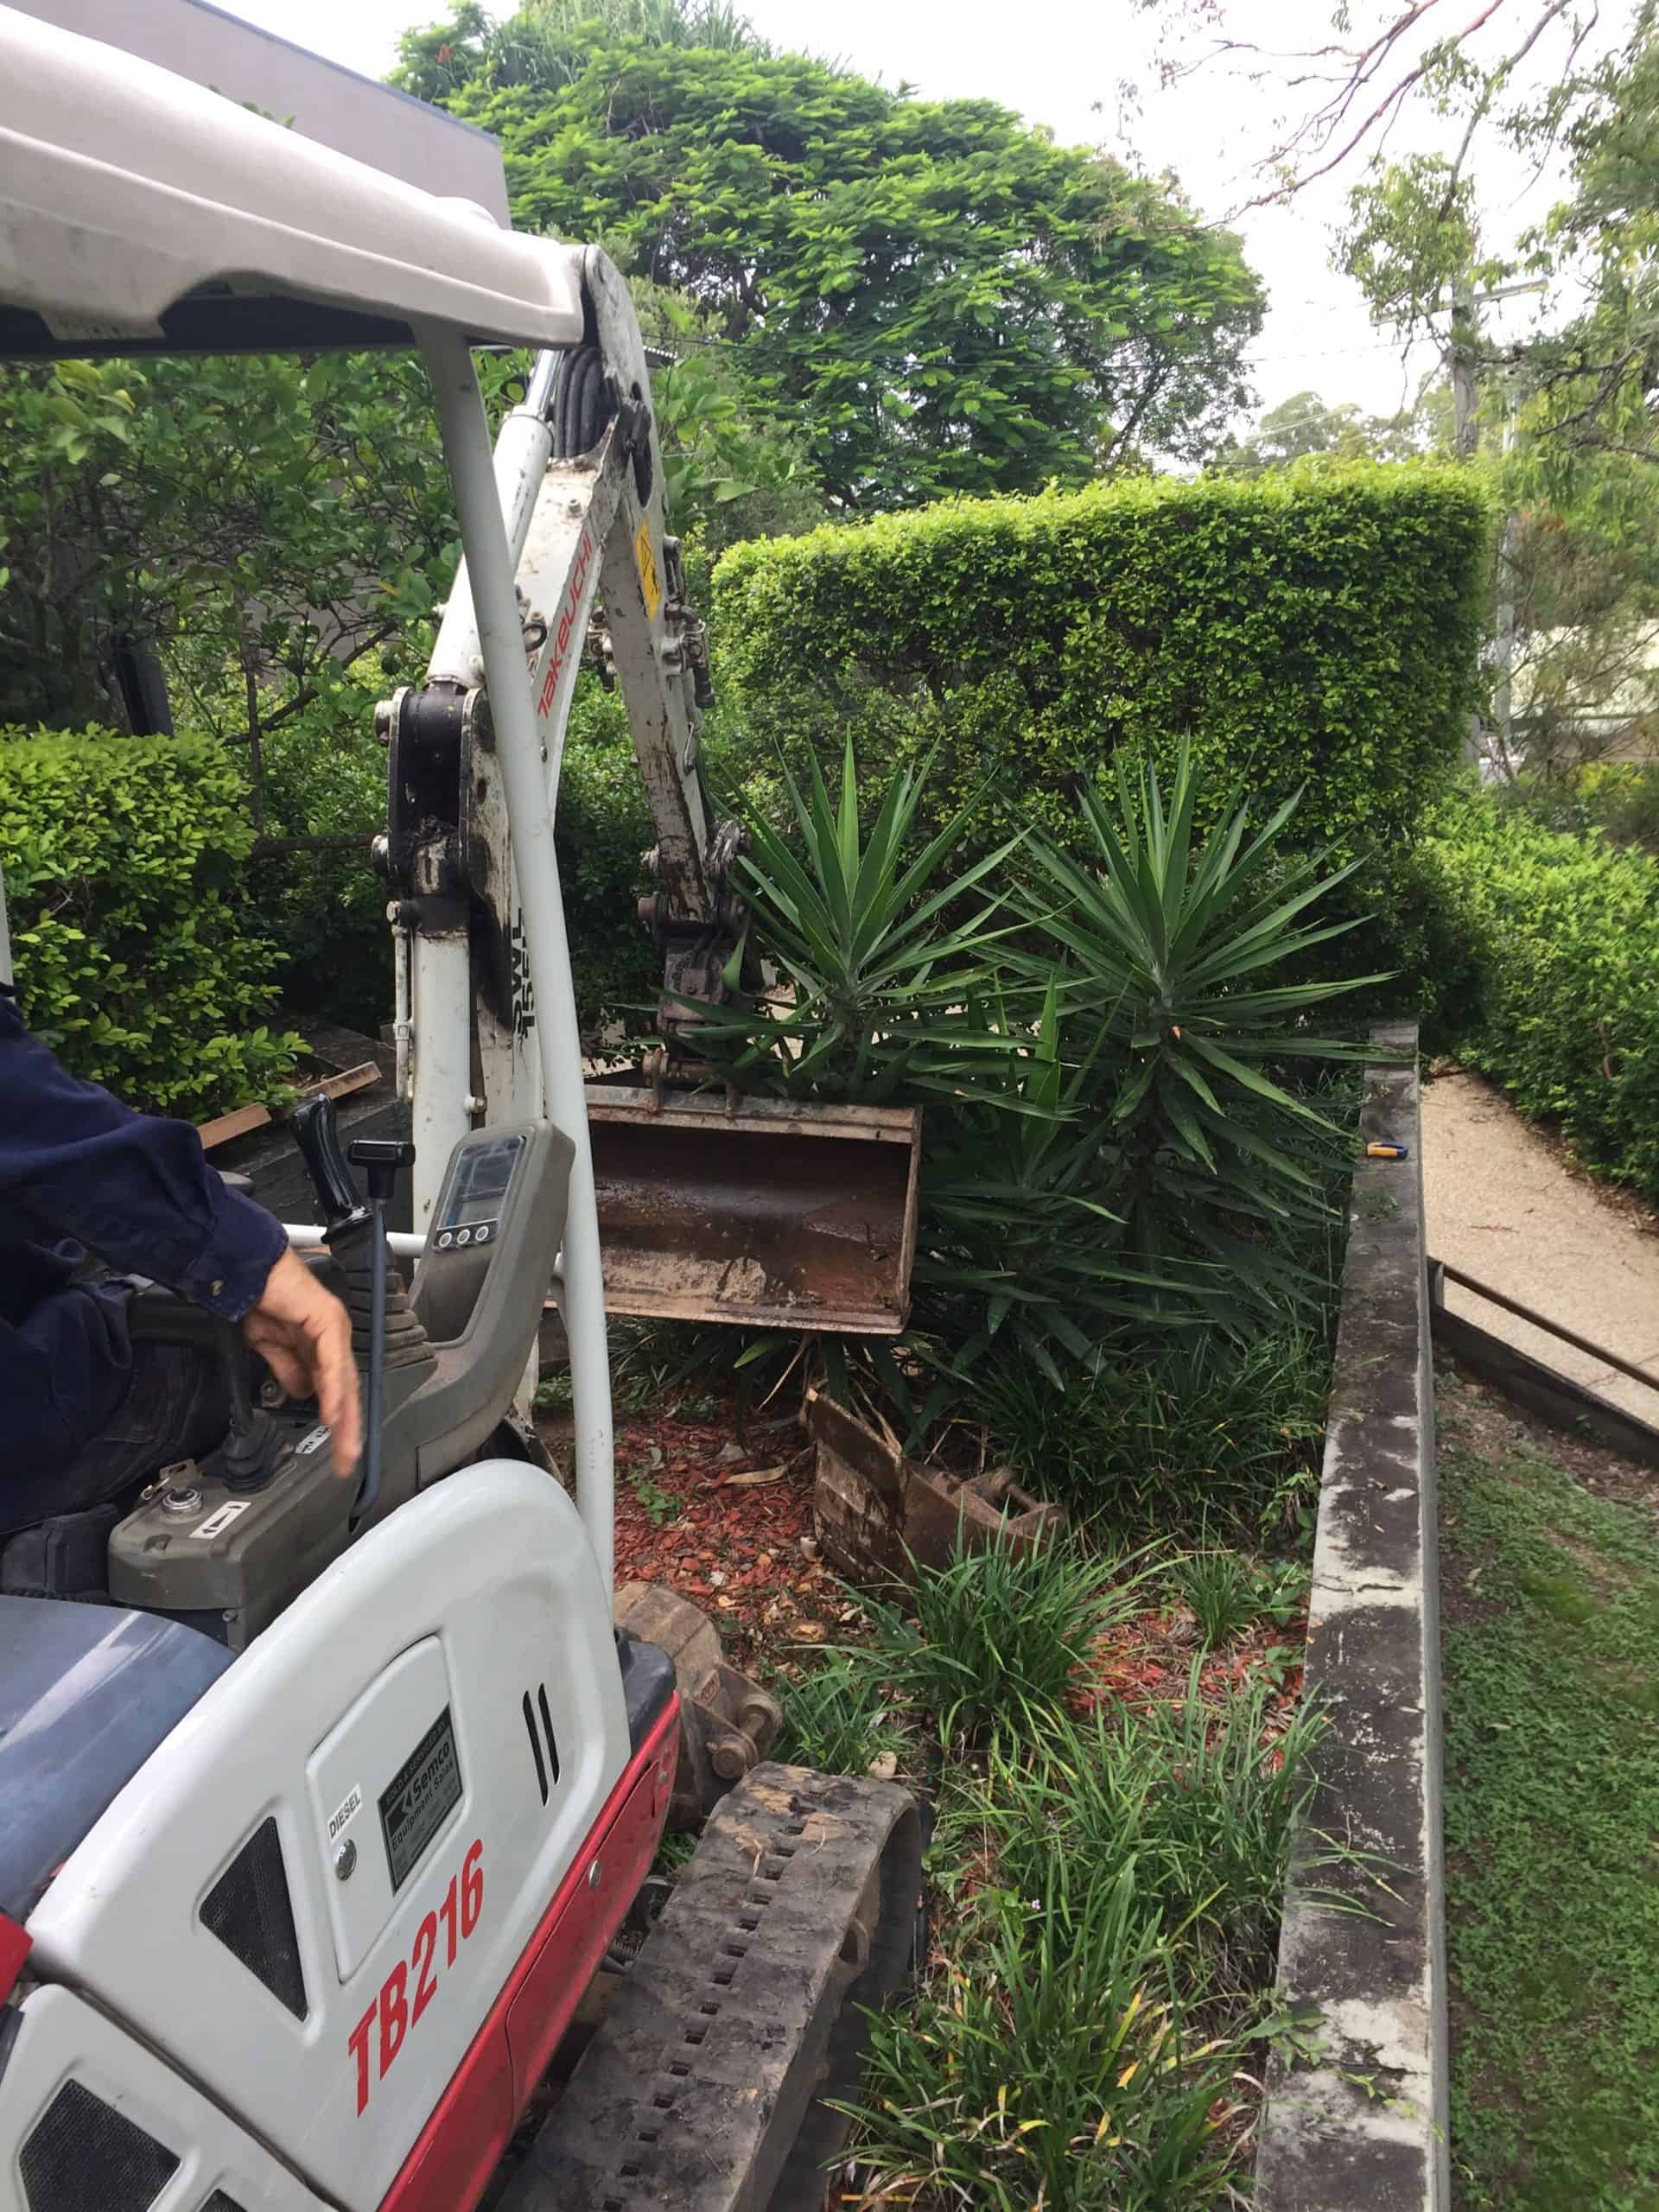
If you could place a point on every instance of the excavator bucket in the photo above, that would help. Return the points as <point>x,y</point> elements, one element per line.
<point>755,1210</point>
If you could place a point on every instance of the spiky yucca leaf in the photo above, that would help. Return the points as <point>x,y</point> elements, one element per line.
<point>1169,946</point>
<point>879,970</point>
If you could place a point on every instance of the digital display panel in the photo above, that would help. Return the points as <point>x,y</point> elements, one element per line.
<point>483,1174</point>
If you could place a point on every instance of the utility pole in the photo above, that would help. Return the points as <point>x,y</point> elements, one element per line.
<point>1461,354</point>
<point>1462,349</point>
<point>1460,359</point>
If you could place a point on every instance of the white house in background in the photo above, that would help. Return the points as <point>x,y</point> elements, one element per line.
<point>1583,695</point>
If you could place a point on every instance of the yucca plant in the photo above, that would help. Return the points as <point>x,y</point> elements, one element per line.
<point>1023,1247</point>
<point>880,968</point>
<point>1169,944</point>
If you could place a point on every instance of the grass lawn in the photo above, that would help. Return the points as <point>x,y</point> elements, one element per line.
<point>1549,1553</point>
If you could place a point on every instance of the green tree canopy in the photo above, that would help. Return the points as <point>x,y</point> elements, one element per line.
<point>940,297</point>
<point>259,522</point>
<point>1305,424</point>
<point>547,42</point>
<point>1587,373</point>
<point>1598,377</point>
<point>1578,576</point>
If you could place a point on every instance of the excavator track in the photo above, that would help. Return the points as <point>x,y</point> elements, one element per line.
<point>704,2088</point>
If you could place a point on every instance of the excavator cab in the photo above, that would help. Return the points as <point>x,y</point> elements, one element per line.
<point>318,1834</point>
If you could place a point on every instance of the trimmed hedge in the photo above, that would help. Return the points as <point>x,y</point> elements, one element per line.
<point>137,954</point>
<point>603,829</point>
<point>1319,627</point>
<point>1555,942</point>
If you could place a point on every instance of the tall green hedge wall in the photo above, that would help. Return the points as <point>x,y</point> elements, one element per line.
<point>1549,974</point>
<point>137,954</point>
<point>1319,628</point>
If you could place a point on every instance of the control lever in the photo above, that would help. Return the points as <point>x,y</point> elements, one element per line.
<point>314,1131</point>
<point>249,1451</point>
<point>383,1156</point>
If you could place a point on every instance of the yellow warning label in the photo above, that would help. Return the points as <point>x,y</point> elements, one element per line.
<point>646,560</point>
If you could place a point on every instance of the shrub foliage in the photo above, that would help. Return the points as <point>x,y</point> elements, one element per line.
<point>1315,628</point>
<point>1557,938</point>
<point>139,955</point>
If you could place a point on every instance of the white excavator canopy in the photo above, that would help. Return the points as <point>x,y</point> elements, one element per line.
<point>141,213</point>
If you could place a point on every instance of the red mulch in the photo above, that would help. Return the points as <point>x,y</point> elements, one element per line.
<point>732,1544</point>
<point>1148,1661</point>
<point>725,1524</point>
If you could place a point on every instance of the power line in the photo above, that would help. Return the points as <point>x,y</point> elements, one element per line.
<point>1334,352</point>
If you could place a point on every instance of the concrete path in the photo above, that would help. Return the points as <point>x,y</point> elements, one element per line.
<point>1500,1205</point>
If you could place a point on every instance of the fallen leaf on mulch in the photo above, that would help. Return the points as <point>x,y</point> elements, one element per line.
<point>1147,1660</point>
<point>756,1475</point>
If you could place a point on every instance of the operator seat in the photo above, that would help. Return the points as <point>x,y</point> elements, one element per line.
<point>87,1693</point>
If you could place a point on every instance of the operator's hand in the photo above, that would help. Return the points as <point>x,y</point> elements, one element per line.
<point>303,1334</point>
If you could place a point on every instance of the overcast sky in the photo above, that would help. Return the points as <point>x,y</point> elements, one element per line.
<point>1059,62</point>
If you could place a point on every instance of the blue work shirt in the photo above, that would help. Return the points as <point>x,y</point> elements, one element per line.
<point>78,1168</point>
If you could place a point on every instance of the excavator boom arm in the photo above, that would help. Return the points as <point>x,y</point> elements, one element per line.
<point>771,1213</point>
<point>578,471</point>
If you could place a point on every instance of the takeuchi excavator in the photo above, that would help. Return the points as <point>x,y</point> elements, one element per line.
<point>324,1835</point>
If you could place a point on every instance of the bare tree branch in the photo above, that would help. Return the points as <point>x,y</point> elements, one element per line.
<point>1362,87</point>
<point>1334,116</point>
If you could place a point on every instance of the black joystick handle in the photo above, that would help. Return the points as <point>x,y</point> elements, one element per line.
<point>331,1178</point>
<point>383,1158</point>
<point>248,1457</point>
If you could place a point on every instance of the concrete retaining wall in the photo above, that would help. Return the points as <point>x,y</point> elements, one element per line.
<point>1358,2123</point>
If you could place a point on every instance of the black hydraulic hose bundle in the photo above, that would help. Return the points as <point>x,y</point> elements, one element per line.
<point>581,403</point>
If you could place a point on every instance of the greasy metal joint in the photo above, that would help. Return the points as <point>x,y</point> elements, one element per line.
<point>634,434</point>
<point>432,914</point>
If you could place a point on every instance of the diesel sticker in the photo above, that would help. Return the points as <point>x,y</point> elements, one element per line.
<point>414,1803</point>
<point>350,1806</point>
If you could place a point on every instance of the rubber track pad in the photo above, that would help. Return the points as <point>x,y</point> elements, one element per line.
<point>796,1913</point>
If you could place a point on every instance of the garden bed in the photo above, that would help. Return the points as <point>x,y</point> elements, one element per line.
<point>1126,1297</point>
<point>1111,1736</point>
<point>1114,1748</point>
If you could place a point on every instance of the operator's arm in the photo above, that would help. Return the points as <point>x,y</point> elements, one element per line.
<point>136,1188</point>
<point>139,1189</point>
